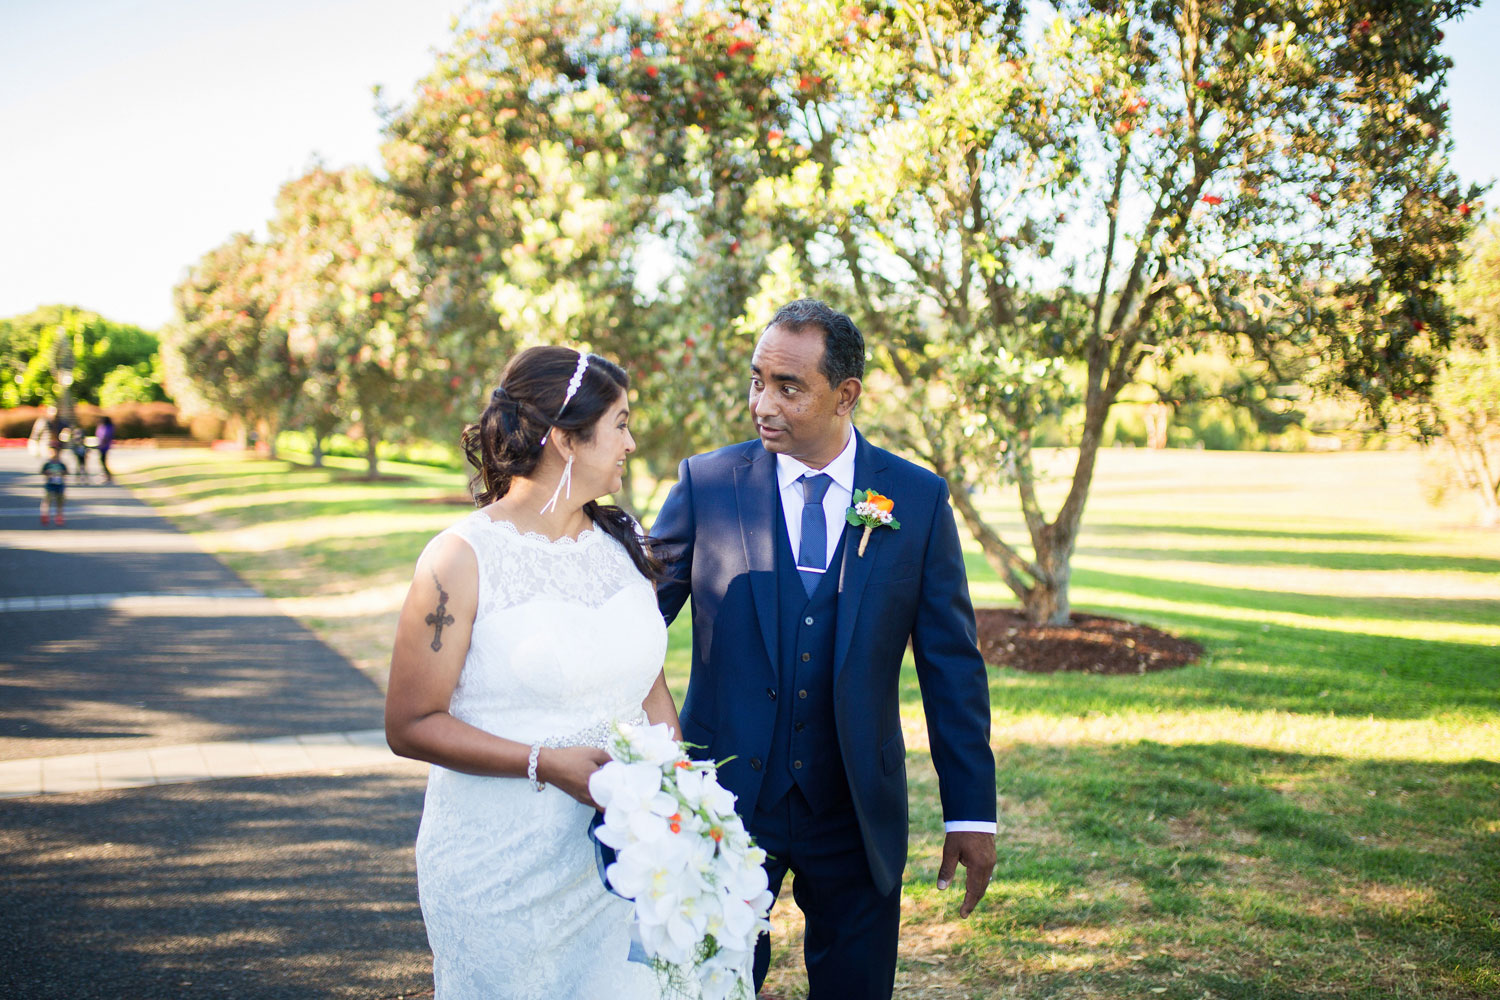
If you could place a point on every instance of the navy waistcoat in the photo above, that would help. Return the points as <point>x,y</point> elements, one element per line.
<point>805,743</point>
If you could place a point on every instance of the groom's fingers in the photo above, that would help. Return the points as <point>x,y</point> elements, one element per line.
<point>976,852</point>
<point>977,882</point>
<point>949,864</point>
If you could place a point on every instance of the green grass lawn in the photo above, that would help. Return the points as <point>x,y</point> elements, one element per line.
<point>1309,811</point>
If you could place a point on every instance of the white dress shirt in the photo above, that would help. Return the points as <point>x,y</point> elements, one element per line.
<point>835,502</point>
<point>789,473</point>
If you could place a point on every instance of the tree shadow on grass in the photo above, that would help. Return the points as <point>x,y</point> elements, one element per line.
<point>1214,862</point>
<point>1270,667</point>
<point>263,889</point>
<point>1472,611</point>
<point>1310,672</point>
<point>1400,561</point>
<point>1193,530</point>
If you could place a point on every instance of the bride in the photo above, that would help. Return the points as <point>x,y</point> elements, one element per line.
<point>531,625</point>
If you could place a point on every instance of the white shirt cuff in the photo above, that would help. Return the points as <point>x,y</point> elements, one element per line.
<point>968,826</point>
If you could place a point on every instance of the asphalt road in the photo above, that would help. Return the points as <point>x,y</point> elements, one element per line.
<point>257,888</point>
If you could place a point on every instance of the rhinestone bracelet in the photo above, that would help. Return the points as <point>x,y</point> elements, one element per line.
<point>536,749</point>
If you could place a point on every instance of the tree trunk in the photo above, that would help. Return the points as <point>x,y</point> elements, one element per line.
<point>372,442</point>
<point>267,431</point>
<point>625,497</point>
<point>317,450</point>
<point>1048,602</point>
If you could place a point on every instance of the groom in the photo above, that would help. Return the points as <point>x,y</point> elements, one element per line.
<point>797,646</point>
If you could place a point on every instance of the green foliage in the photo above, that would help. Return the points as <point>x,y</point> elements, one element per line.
<point>348,301</point>
<point>1027,203</point>
<point>581,175</point>
<point>101,349</point>
<point>138,383</point>
<point>1024,205</point>
<point>224,352</point>
<point>1466,398</point>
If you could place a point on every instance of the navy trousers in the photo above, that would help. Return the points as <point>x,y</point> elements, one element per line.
<point>850,943</point>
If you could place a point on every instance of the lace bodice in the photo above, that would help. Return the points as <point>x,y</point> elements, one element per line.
<point>567,638</point>
<point>566,634</point>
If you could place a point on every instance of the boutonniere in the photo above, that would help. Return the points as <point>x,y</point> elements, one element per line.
<point>871,510</point>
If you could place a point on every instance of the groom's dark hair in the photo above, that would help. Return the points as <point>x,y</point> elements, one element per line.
<point>843,344</point>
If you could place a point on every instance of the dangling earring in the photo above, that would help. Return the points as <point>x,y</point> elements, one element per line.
<point>564,486</point>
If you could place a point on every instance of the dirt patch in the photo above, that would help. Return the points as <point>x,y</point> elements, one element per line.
<point>1087,644</point>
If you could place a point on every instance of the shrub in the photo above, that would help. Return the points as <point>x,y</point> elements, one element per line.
<point>144,420</point>
<point>17,421</point>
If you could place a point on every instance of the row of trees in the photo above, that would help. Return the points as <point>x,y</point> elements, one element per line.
<point>316,326</point>
<point>113,363</point>
<point>1028,207</point>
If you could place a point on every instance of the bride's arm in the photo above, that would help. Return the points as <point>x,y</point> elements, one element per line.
<point>432,639</point>
<point>660,707</point>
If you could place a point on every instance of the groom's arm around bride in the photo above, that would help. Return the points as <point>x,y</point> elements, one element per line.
<point>798,637</point>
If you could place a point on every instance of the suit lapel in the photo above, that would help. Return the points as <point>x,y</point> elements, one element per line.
<point>869,473</point>
<point>755,493</point>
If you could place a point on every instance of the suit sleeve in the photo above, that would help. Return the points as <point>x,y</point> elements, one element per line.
<point>672,534</point>
<point>953,677</point>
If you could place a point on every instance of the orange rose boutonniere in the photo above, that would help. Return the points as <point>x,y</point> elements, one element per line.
<point>871,510</point>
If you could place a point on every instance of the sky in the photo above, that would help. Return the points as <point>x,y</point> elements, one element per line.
<point>135,135</point>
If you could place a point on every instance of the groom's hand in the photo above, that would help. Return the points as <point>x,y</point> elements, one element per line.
<point>976,852</point>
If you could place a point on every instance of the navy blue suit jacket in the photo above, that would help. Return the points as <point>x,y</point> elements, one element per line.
<point>716,532</point>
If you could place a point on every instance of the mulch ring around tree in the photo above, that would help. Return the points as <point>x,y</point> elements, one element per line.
<point>1090,644</point>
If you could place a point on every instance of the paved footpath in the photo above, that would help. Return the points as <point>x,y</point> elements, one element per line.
<point>196,799</point>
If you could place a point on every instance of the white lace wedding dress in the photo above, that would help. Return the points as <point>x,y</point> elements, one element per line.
<point>567,638</point>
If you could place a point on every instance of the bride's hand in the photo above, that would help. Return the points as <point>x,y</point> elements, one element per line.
<point>569,769</point>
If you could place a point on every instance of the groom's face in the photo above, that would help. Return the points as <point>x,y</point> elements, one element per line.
<point>796,411</point>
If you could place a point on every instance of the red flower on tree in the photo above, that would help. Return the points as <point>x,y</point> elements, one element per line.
<point>377,297</point>
<point>651,71</point>
<point>1212,199</point>
<point>1464,210</point>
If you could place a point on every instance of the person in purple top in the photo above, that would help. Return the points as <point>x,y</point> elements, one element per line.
<point>104,436</point>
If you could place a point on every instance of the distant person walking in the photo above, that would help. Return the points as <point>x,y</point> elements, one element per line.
<point>104,437</point>
<point>77,443</point>
<point>55,474</point>
<point>44,433</point>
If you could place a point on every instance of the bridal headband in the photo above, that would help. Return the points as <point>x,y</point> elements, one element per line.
<point>574,384</point>
<point>565,484</point>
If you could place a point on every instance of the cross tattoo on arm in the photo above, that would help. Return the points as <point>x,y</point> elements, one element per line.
<point>440,617</point>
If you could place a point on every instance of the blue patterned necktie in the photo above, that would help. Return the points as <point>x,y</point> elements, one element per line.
<point>813,553</point>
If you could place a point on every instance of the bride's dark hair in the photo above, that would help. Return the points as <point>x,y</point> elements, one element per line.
<point>507,440</point>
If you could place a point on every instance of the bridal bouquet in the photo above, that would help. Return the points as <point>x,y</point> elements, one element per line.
<point>683,856</point>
